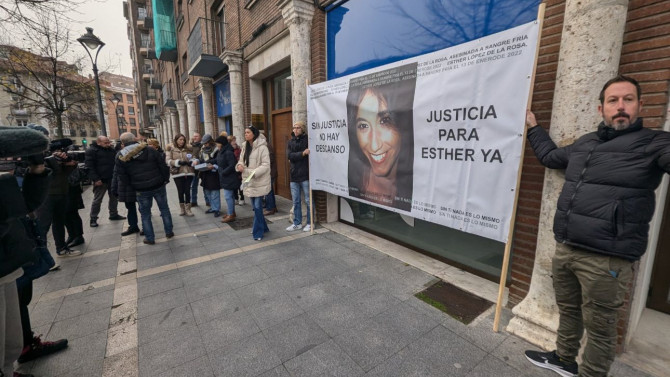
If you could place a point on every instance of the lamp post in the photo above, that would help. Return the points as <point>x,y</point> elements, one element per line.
<point>115,100</point>
<point>91,42</point>
<point>10,119</point>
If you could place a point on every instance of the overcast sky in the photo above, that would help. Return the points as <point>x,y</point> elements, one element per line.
<point>106,19</point>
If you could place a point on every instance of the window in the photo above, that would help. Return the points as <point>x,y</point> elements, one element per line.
<point>131,110</point>
<point>21,123</point>
<point>282,90</point>
<point>129,98</point>
<point>132,122</point>
<point>119,110</point>
<point>221,17</point>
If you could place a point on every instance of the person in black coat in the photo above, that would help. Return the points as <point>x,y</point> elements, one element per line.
<point>16,248</point>
<point>144,170</point>
<point>228,177</point>
<point>298,154</point>
<point>100,157</point>
<point>209,179</point>
<point>601,223</point>
<point>126,195</point>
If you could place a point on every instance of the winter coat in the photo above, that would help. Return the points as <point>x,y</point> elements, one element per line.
<point>209,180</point>
<point>228,178</point>
<point>58,184</point>
<point>173,156</point>
<point>100,163</point>
<point>273,164</point>
<point>608,198</point>
<point>259,162</point>
<point>142,168</point>
<point>125,193</point>
<point>15,246</point>
<point>299,163</point>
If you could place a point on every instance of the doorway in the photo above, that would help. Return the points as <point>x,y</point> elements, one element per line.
<point>277,91</point>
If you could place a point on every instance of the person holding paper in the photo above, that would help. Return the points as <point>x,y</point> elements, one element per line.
<point>228,178</point>
<point>208,174</point>
<point>254,164</point>
<point>381,138</point>
<point>601,224</point>
<point>178,157</point>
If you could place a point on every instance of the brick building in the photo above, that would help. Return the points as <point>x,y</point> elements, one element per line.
<point>221,65</point>
<point>120,93</point>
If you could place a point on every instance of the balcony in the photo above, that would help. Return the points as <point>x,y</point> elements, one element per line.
<point>164,30</point>
<point>147,74</point>
<point>20,111</point>
<point>184,76</point>
<point>144,20</point>
<point>205,43</point>
<point>151,100</point>
<point>155,83</point>
<point>168,95</point>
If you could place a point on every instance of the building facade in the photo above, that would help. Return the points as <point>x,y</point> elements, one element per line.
<point>212,66</point>
<point>120,93</point>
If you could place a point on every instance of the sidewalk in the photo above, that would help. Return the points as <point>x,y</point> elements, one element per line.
<point>214,302</point>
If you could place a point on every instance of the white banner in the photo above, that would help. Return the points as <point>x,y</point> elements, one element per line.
<point>437,137</point>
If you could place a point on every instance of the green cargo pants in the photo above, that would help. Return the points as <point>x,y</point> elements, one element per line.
<point>590,289</point>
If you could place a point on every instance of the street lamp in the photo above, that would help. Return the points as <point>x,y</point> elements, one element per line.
<point>91,42</point>
<point>115,100</point>
<point>10,119</point>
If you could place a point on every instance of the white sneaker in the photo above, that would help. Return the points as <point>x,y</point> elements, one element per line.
<point>68,253</point>
<point>241,202</point>
<point>292,228</point>
<point>307,228</point>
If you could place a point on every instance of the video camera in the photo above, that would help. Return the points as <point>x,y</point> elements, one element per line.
<point>64,145</point>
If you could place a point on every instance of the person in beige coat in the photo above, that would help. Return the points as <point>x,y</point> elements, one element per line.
<point>254,164</point>
<point>178,157</point>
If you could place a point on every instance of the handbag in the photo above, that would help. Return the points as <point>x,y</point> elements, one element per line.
<point>44,262</point>
<point>174,170</point>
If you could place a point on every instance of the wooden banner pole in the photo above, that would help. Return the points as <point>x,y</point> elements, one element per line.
<point>508,244</point>
<point>311,202</point>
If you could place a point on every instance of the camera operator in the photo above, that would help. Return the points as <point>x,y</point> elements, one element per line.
<point>16,248</point>
<point>54,211</point>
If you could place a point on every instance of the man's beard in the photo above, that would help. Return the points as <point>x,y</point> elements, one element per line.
<point>621,121</point>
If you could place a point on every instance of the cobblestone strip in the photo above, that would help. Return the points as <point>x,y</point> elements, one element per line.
<point>121,358</point>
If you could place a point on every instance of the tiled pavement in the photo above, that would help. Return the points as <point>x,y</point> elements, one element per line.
<point>213,302</point>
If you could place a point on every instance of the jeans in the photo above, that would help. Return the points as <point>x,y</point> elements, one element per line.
<point>296,187</point>
<point>260,226</point>
<point>590,288</point>
<point>11,343</point>
<point>132,214</point>
<point>229,195</point>
<point>270,197</point>
<point>145,200</point>
<point>98,195</point>
<point>194,189</point>
<point>214,199</point>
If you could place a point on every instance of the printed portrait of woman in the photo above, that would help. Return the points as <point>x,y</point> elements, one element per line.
<point>381,136</point>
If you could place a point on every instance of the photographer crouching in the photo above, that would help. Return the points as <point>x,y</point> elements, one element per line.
<point>17,248</point>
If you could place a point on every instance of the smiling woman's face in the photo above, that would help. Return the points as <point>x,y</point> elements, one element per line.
<point>377,134</point>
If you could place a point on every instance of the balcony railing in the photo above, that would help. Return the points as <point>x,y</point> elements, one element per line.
<point>168,51</point>
<point>20,112</point>
<point>184,76</point>
<point>168,93</point>
<point>147,73</point>
<point>205,43</point>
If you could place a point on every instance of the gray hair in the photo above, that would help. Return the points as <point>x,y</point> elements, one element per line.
<point>127,137</point>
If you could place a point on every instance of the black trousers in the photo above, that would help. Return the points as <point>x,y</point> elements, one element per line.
<point>183,184</point>
<point>54,212</point>
<point>25,296</point>
<point>73,222</point>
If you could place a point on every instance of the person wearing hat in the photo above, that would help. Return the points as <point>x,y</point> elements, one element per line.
<point>210,178</point>
<point>17,341</point>
<point>229,179</point>
<point>254,164</point>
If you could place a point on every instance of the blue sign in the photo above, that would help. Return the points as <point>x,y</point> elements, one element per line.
<point>222,91</point>
<point>202,116</point>
<point>359,36</point>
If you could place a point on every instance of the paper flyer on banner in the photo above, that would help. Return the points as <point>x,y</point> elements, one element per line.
<point>437,137</point>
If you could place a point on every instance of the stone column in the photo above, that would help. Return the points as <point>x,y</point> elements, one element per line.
<point>207,89</point>
<point>181,111</point>
<point>589,56</point>
<point>234,61</point>
<point>192,111</point>
<point>298,15</point>
<point>167,125</point>
<point>174,122</point>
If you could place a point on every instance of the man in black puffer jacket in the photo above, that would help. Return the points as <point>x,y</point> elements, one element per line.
<point>297,151</point>
<point>601,223</point>
<point>100,163</point>
<point>144,170</point>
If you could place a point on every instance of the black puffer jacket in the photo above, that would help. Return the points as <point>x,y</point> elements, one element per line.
<point>608,198</point>
<point>228,178</point>
<point>15,246</point>
<point>100,163</point>
<point>299,163</point>
<point>142,168</point>
<point>125,193</point>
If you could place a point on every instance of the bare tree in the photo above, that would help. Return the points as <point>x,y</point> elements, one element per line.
<point>23,11</point>
<point>42,80</point>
